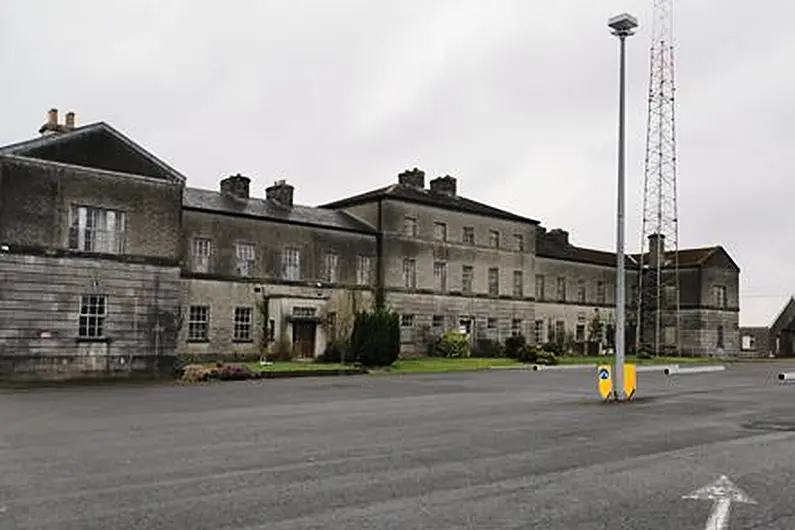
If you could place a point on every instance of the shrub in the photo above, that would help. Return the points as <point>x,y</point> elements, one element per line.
<point>513,345</point>
<point>375,340</point>
<point>488,349</point>
<point>335,352</point>
<point>235,372</point>
<point>281,351</point>
<point>453,344</point>
<point>194,373</point>
<point>555,347</point>
<point>546,358</point>
<point>644,355</point>
<point>527,354</point>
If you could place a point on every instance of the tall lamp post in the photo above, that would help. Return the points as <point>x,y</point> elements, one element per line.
<point>623,26</point>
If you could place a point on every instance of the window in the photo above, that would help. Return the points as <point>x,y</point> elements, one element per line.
<point>719,296</point>
<point>440,276</point>
<point>202,250</point>
<point>406,328</point>
<point>409,273</point>
<point>491,329</point>
<point>468,235</point>
<point>331,324</point>
<point>291,264</point>
<point>467,277</point>
<point>562,289</point>
<point>518,284</point>
<point>438,321</point>
<point>669,336</point>
<point>304,312</point>
<point>364,268</point>
<point>242,324</point>
<point>720,344</point>
<point>581,292</point>
<point>440,231</point>
<point>198,322</point>
<point>93,310</point>
<point>540,295</point>
<point>538,331</point>
<point>516,327</point>
<point>748,342</point>
<point>244,254</point>
<point>410,227</point>
<point>331,268</point>
<point>271,331</point>
<point>560,330</point>
<point>494,281</point>
<point>579,333</point>
<point>494,239</point>
<point>96,230</point>
<point>518,242</point>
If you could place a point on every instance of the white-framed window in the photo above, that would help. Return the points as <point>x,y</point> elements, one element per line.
<point>199,322</point>
<point>516,327</point>
<point>561,289</point>
<point>538,331</point>
<point>331,267</point>
<point>581,292</point>
<point>601,293</point>
<point>304,311</point>
<point>93,311</point>
<point>409,273</point>
<point>99,230</point>
<point>437,322</point>
<point>518,284</point>
<point>201,252</point>
<point>440,231</point>
<point>291,264</point>
<point>494,281</point>
<point>560,330</point>
<point>540,294</point>
<point>518,242</point>
<point>244,257</point>
<point>579,333</point>
<point>492,328</point>
<point>440,276</point>
<point>364,268</point>
<point>468,235</point>
<point>406,328</point>
<point>719,296</point>
<point>410,227</point>
<point>748,342</point>
<point>467,278</point>
<point>243,319</point>
<point>494,239</point>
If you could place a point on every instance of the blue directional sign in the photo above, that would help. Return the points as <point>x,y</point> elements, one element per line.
<point>604,374</point>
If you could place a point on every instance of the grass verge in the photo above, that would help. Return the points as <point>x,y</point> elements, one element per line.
<point>290,366</point>
<point>430,365</point>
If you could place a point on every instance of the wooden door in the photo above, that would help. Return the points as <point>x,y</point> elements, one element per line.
<point>304,339</point>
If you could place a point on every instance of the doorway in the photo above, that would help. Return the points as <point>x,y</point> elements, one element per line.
<point>304,338</point>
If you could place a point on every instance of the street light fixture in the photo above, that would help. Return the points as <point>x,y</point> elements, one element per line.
<point>623,26</point>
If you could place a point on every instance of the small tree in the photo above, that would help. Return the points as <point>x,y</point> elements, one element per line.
<point>375,340</point>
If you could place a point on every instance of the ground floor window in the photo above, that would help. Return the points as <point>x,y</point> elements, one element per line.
<point>242,324</point>
<point>93,311</point>
<point>406,328</point>
<point>198,322</point>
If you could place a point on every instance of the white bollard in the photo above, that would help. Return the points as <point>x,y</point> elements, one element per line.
<point>681,370</point>
<point>786,376</point>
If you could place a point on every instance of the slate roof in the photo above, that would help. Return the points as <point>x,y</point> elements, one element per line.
<point>547,247</point>
<point>26,147</point>
<point>213,201</point>
<point>427,197</point>
<point>688,257</point>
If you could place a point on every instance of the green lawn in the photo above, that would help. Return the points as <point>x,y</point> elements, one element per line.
<point>608,359</point>
<point>438,364</point>
<point>295,366</point>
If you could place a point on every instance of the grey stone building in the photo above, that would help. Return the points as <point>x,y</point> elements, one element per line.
<point>111,265</point>
<point>775,340</point>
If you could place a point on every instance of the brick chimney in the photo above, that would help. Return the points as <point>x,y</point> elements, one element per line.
<point>414,178</point>
<point>559,236</point>
<point>445,185</point>
<point>280,192</point>
<point>52,126</point>
<point>69,124</point>
<point>236,186</point>
<point>656,248</point>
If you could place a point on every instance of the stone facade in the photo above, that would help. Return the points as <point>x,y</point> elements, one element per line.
<point>129,269</point>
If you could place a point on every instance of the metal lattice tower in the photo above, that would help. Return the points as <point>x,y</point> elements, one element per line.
<point>658,319</point>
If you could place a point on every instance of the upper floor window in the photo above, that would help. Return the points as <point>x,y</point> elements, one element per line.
<point>440,231</point>
<point>409,273</point>
<point>494,239</point>
<point>518,284</point>
<point>601,293</point>
<point>96,230</point>
<point>494,281</point>
<point>410,226</point>
<point>518,241</point>
<point>201,252</point>
<point>364,267</point>
<point>291,264</point>
<point>331,268</point>
<point>440,276</point>
<point>562,289</point>
<point>581,292</point>
<point>244,257</point>
<point>91,322</point>
<point>468,235</point>
<point>467,277</point>
<point>540,294</point>
<point>719,295</point>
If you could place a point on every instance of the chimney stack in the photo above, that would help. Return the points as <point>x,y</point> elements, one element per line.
<point>444,185</point>
<point>560,236</point>
<point>414,178</point>
<point>69,124</point>
<point>280,192</point>
<point>52,126</point>
<point>236,186</point>
<point>52,117</point>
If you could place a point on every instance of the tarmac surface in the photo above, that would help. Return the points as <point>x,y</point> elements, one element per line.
<point>498,449</point>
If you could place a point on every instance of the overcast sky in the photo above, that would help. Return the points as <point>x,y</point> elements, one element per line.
<point>515,98</point>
